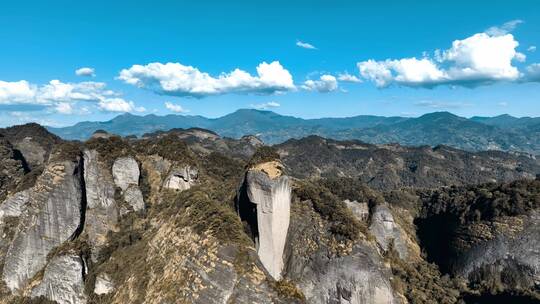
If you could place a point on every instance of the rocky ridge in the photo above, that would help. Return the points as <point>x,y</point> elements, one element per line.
<point>195,218</point>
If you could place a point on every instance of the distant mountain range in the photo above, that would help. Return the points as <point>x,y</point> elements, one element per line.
<point>502,132</point>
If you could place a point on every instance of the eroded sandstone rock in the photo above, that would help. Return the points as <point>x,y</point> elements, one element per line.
<point>271,199</point>
<point>101,209</point>
<point>52,216</point>
<point>357,278</point>
<point>63,280</point>
<point>181,179</point>
<point>126,176</point>
<point>103,285</point>
<point>125,172</point>
<point>133,196</point>
<point>386,231</point>
<point>13,205</point>
<point>359,210</point>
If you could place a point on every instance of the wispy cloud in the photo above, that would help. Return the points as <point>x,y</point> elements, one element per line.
<point>532,48</point>
<point>503,29</point>
<point>305,45</point>
<point>442,104</point>
<point>17,118</point>
<point>176,108</point>
<point>346,77</point>
<point>266,105</point>
<point>532,73</point>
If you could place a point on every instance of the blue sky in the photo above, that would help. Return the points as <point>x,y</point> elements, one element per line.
<point>167,57</point>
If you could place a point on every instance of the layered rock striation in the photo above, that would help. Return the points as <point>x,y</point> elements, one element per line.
<point>264,203</point>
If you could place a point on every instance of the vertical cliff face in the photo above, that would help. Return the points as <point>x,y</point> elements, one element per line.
<point>509,256</point>
<point>126,175</point>
<point>101,209</point>
<point>52,216</point>
<point>329,270</point>
<point>267,196</point>
<point>357,278</point>
<point>386,231</point>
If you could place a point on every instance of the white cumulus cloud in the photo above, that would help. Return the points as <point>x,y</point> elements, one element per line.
<point>180,80</point>
<point>266,105</point>
<point>61,97</point>
<point>86,71</point>
<point>116,105</point>
<point>64,108</point>
<point>174,107</point>
<point>17,92</point>
<point>305,45</point>
<point>346,77</point>
<point>326,83</point>
<point>479,59</point>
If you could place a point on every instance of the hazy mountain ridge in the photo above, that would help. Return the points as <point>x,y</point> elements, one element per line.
<point>503,132</point>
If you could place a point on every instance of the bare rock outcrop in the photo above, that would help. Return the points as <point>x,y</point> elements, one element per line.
<point>133,196</point>
<point>126,174</point>
<point>13,205</point>
<point>34,154</point>
<point>63,280</point>
<point>101,208</point>
<point>357,278</point>
<point>52,216</point>
<point>182,178</point>
<point>265,204</point>
<point>386,231</point>
<point>103,285</point>
<point>359,210</point>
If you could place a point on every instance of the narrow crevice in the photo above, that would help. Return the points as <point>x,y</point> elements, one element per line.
<point>247,212</point>
<point>436,234</point>
<point>17,155</point>
<point>80,173</point>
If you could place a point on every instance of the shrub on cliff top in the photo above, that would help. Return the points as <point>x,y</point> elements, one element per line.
<point>168,146</point>
<point>331,208</point>
<point>262,155</point>
<point>109,149</point>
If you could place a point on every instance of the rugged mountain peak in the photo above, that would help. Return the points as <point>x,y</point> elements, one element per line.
<point>32,141</point>
<point>252,140</point>
<point>101,134</point>
<point>198,133</point>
